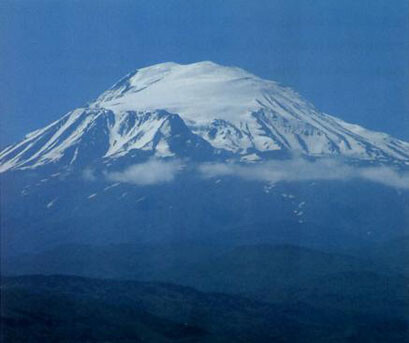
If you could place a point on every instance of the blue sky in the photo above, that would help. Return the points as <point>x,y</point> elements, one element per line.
<point>350,58</point>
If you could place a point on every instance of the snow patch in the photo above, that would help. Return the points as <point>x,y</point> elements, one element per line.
<point>51,203</point>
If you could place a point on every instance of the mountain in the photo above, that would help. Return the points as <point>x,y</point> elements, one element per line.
<point>127,168</point>
<point>267,273</point>
<point>198,111</point>
<point>208,177</point>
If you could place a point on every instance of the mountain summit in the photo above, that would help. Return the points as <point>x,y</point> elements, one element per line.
<point>200,110</point>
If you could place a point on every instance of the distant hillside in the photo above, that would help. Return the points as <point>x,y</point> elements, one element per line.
<point>73,309</point>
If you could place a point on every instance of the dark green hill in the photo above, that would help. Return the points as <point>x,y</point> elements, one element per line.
<point>278,274</point>
<point>74,309</point>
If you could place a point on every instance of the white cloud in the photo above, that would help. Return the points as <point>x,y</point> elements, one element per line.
<point>88,174</point>
<point>148,173</point>
<point>298,169</point>
<point>386,176</point>
<point>303,170</point>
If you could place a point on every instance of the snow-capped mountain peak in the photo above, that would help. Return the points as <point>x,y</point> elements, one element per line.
<point>200,92</point>
<point>199,109</point>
